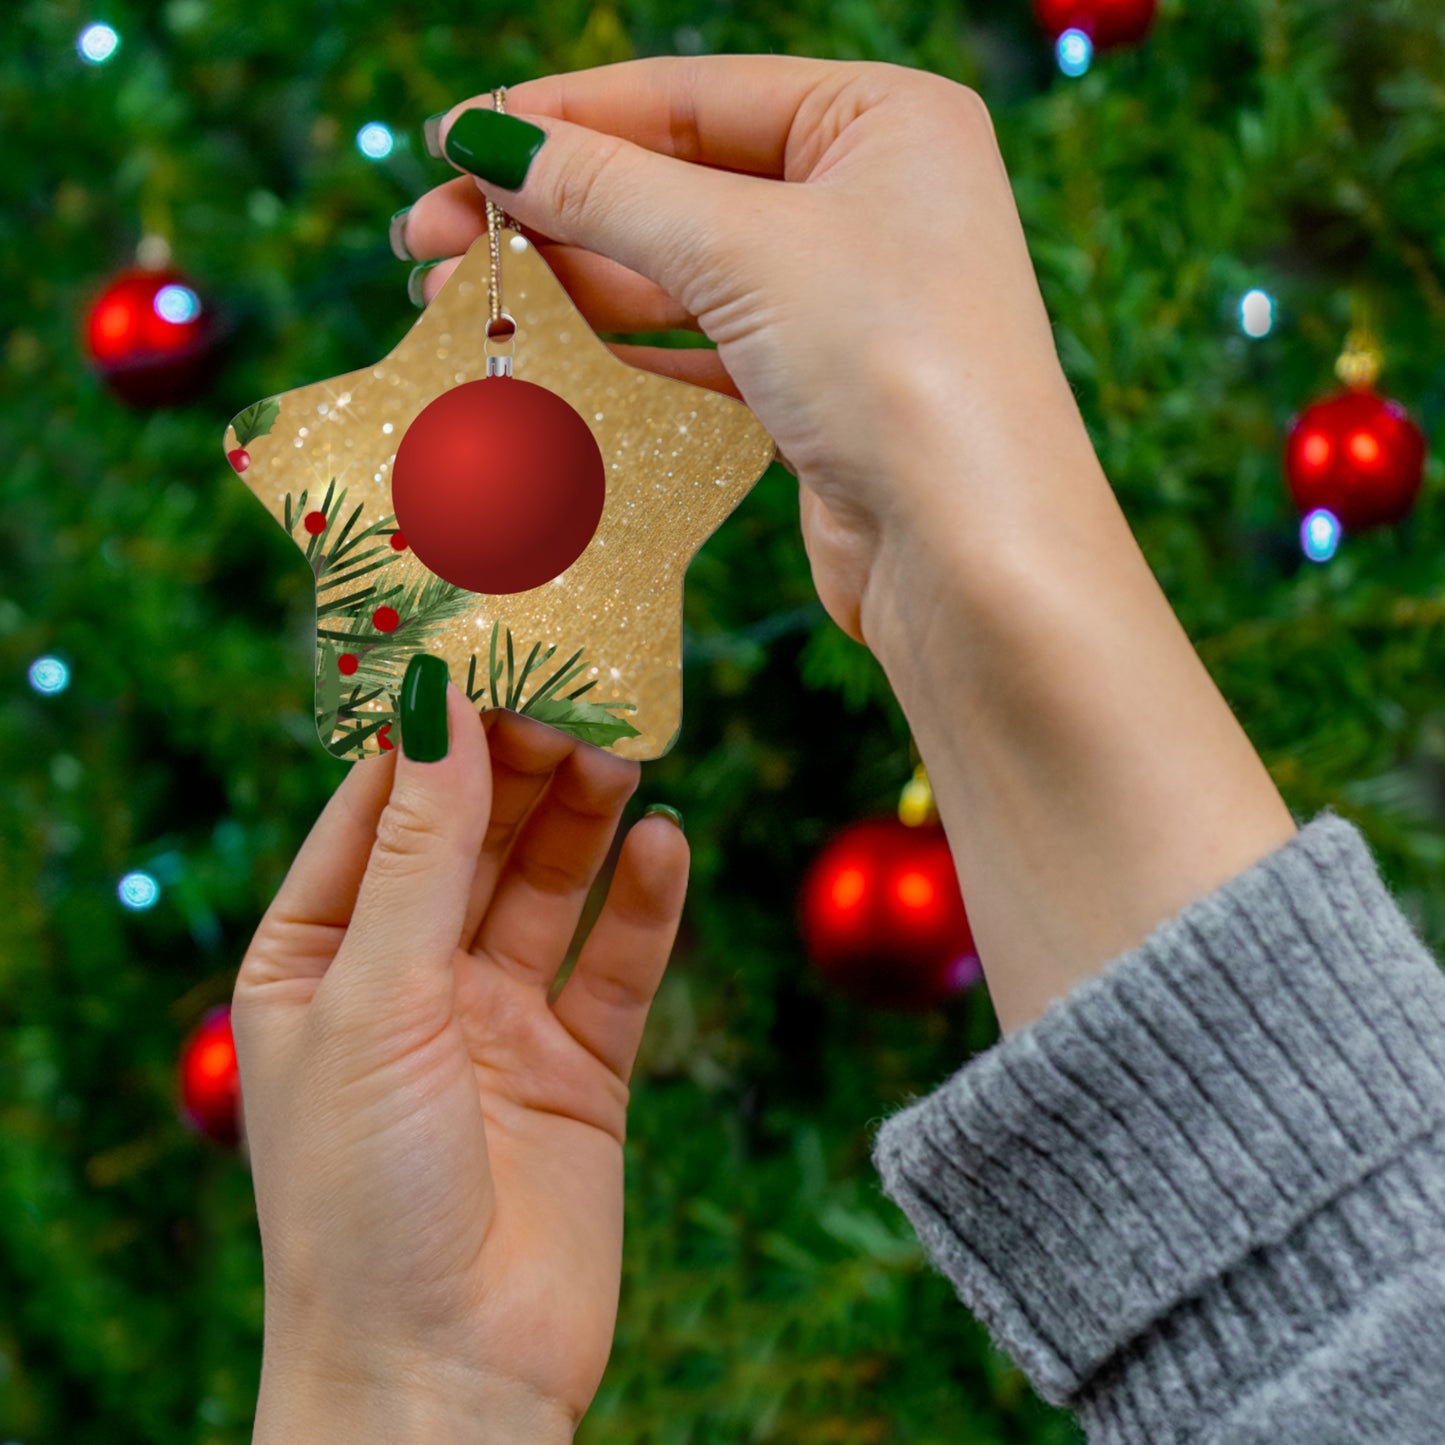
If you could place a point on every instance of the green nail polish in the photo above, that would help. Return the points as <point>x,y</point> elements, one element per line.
<point>671,814</point>
<point>424,708</point>
<point>498,148</point>
<point>396,234</point>
<point>431,133</point>
<point>415,294</point>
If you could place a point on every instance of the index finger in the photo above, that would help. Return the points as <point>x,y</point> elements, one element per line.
<point>735,112</point>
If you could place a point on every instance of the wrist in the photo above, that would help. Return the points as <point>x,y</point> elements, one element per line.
<point>983,510</point>
<point>399,1401</point>
<point>1091,778</point>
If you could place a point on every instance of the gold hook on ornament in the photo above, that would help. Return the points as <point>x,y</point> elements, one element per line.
<point>1360,362</point>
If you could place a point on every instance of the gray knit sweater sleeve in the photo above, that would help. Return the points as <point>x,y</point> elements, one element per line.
<point>1201,1200</point>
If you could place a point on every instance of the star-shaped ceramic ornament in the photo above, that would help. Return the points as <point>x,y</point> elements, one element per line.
<point>582,534</point>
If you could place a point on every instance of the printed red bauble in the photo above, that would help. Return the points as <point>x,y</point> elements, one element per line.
<point>386,619</point>
<point>152,338</point>
<point>314,522</point>
<point>883,918</point>
<point>209,1080</point>
<point>1107,23</point>
<point>347,663</point>
<point>498,485</point>
<point>1359,456</point>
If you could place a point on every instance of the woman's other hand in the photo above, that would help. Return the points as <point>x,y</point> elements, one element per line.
<point>437,1148</point>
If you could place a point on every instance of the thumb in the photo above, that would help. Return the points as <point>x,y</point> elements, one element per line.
<point>667,219</point>
<point>407,922</point>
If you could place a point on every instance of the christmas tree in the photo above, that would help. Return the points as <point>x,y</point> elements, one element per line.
<point>1212,211</point>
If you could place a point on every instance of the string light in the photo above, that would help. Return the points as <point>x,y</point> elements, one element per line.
<point>375,140</point>
<point>97,43</point>
<point>49,675</point>
<point>1075,52</point>
<point>177,304</point>
<point>138,891</point>
<point>1320,535</point>
<point>1256,313</point>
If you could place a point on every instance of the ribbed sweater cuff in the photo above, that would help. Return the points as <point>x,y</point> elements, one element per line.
<point>1180,1155</point>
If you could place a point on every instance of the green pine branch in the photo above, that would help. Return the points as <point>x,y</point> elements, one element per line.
<point>506,687</point>
<point>341,556</point>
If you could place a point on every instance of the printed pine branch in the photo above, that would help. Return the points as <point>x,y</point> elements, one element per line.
<point>593,722</point>
<point>352,588</point>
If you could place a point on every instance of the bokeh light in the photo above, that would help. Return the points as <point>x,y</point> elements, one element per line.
<point>375,140</point>
<point>177,304</point>
<point>1075,52</point>
<point>1320,535</point>
<point>138,891</point>
<point>1256,313</point>
<point>49,675</point>
<point>97,43</point>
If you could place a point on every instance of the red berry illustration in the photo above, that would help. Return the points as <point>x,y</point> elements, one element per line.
<point>398,542</point>
<point>385,619</point>
<point>386,743</point>
<point>347,663</point>
<point>240,458</point>
<point>314,522</point>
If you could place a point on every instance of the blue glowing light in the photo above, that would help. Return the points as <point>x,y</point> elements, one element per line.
<point>1319,535</point>
<point>49,675</point>
<point>375,141</point>
<point>1256,313</point>
<point>177,304</point>
<point>1075,52</point>
<point>138,891</point>
<point>97,43</point>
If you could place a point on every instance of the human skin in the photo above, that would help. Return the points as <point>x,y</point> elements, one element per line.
<point>846,234</point>
<point>437,1145</point>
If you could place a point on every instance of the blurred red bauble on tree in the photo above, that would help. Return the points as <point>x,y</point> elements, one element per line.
<point>883,918</point>
<point>152,339</point>
<point>1358,456</point>
<point>498,485</point>
<point>209,1081</point>
<point>1107,23</point>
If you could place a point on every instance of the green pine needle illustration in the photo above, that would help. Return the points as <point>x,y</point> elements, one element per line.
<point>352,584</point>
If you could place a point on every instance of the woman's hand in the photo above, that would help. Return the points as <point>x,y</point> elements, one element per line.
<point>886,289</point>
<point>847,234</point>
<point>437,1148</point>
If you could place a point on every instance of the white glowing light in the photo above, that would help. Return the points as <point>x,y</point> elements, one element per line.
<point>49,675</point>
<point>177,304</point>
<point>1075,52</point>
<point>375,141</point>
<point>97,43</point>
<point>1320,535</point>
<point>138,891</point>
<point>1256,313</point>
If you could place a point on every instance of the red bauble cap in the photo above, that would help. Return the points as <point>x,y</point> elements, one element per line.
<point>1105,22</point>
<point>498,485</point>
<point>1359,456</point>
<point>209,1081</point>
<point>152,337</point>
<point>883,918</point>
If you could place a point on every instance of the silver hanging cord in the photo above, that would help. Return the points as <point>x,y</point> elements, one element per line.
<point>496,220</point>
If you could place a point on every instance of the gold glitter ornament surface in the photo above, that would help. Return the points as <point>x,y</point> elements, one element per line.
<point>678,459</point>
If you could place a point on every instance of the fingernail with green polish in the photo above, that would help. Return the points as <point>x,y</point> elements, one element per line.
<point>497,147</point>
<point>431,133</point>
<point>396,234</point>
<point>414,292</point>
<point>424,708</point>
<point>671,814</point>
